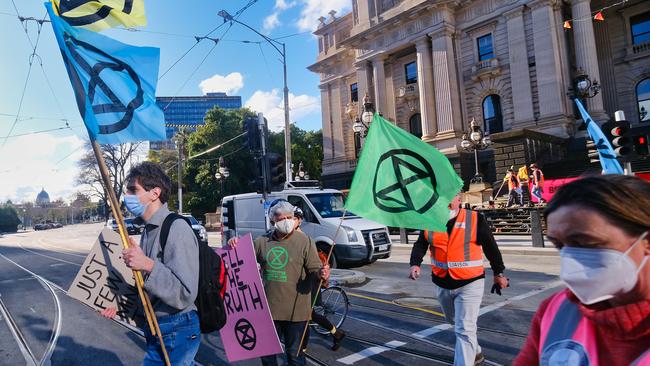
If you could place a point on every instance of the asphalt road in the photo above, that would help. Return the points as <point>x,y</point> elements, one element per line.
<point>391,319</point>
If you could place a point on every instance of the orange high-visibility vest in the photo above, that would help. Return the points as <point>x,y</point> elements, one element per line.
<point>538,182</point>
<point>457,254</point>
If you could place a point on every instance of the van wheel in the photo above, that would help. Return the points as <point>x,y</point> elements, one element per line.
<point>333,263</point>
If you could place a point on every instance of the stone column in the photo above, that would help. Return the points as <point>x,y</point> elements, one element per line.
<point>547,60</point>
<point>425,89</point>
<point>337,123</point>
<point>585,49</point>
<point>328,146</point>
<point>445,82</point>
<point>379,81</point>
<point>522,96</point>
<point>363,83</point>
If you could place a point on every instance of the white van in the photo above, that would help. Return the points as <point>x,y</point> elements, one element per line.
<point>359,241</point>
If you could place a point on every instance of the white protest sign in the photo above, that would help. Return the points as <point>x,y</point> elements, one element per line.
<point>105,281</point>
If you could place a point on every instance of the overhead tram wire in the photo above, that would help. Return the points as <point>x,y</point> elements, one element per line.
<point>29,70</point>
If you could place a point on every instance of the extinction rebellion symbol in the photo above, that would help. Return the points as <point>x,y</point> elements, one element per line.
<point>245,333</point>
<point>401,178</point>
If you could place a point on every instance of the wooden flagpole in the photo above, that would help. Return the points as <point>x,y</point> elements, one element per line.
<point>119,219</point>
<point>329,255</point>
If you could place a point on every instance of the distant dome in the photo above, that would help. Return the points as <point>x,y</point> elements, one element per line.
<point>43,198</point>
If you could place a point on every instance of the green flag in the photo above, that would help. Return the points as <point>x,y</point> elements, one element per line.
<point>402,181</point>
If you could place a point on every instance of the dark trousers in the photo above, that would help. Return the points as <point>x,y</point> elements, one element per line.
<point>317,318</point>
<point>290,332</point>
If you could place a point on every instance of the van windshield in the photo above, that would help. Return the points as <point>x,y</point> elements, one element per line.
<point>328,204</point>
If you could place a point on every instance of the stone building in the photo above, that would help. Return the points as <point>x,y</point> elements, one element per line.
<point>432,66</point>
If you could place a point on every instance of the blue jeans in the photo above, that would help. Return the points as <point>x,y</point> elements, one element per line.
<point>537,192</point>
<point>182,337</point>
<point>290,332</point>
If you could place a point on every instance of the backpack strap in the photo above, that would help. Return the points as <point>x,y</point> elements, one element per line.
<point>166,226</point>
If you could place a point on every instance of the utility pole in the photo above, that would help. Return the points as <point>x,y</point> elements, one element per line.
<point>180,143</point>
<point>287,124</point>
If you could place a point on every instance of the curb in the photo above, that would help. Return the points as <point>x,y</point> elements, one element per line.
<point>505,249</point>
<point>346,277</point>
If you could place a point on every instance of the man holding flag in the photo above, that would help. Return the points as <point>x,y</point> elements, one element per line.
<point>402,181</point>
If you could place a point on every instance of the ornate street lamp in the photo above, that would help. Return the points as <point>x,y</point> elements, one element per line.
<point>475,141</point>
<point>584,87</point>
<point>222,173</point>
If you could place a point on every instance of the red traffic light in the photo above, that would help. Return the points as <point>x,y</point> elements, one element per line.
<point>619,131</point>
<point>641,140</point>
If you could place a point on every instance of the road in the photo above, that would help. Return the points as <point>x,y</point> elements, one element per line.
<point>391,320</point>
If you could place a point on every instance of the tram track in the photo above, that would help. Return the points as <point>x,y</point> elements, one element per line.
<point>14,328</point>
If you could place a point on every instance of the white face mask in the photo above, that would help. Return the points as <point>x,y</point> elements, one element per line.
<point>595,275</point>
<point>453,213</point>
<point>285,226</point>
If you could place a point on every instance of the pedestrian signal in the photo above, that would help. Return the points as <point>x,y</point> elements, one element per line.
<point>641,145</point>
<point>277,171</point>
<point>252,139</point>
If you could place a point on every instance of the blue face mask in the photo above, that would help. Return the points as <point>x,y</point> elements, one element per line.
<point>133,205</point>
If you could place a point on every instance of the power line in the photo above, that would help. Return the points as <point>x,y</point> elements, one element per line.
<point>67,127</point>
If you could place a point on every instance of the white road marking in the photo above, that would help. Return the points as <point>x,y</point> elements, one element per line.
<point>489,308</point>
<point>368,352</point>
<point>64,250</point>
<point>48,256</point>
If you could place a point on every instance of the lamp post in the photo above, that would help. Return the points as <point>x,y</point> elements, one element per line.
<point>475,141</point>
<point>360,125</point>
<point>222,173</point>
<point>287,127</point>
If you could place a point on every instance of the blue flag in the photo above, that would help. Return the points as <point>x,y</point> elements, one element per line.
<point>606,153</point>
<point>114,84</point>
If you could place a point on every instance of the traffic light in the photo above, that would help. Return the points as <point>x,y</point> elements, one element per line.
<point>640,144</point>
<point>252,139</point>
<point>277,170</point>
<point>592,152</point>
<point>621,141</point>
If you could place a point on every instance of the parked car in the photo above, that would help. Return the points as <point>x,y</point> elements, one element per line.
<point>198,228</point>
<point>131,227</point>
<point>56,225</point>
<point>40,227</point>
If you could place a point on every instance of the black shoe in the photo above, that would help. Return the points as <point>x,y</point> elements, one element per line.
<point>338,337</point>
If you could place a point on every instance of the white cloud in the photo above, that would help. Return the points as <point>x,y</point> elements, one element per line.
<point>283,5</point>
<point>271,104</point>
<point>314,9</point>
<point>229,84</point>
<point>32,162</point>
<point>271,22</point>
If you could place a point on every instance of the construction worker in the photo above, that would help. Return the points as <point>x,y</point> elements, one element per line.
<point>514,189</point>
<point>538,183</point>
<point>457,271</point>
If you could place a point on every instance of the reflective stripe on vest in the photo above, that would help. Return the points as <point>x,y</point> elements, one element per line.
<point>567,336</point>
<point>446,253</point>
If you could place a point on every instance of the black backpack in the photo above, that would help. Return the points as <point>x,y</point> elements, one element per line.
<point>213,280</point>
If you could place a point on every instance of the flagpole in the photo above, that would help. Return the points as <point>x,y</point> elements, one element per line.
<point>329,255</point>
<point>119,219</point>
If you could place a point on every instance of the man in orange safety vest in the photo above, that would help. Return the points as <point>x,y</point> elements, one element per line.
<point>459,275</point>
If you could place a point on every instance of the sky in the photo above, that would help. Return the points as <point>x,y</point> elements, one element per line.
<point>31,160</point>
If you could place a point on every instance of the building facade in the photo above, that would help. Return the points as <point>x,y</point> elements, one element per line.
<point>189,112</point>
<point>432,66</point>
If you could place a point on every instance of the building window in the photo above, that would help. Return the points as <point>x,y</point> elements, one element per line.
<point>640,25</point>
<point>354,92</point>
<point>485,48</point>
<point>492,119</point>
<point>415,125</point>
<point>411,71</point>
<point>643,99</point>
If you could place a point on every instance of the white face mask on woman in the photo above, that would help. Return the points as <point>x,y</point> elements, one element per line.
<point>595,275</point>
<point>285,226</point>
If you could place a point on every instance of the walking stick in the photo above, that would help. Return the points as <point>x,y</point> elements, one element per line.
<point>498,191</point>
<point>304,331</point>
<point>119,219</point>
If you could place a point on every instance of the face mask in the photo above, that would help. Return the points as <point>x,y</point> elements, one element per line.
<point>285,226</point>
<point>133,205</point>
<point>453,213</point>
<point>595,275</point>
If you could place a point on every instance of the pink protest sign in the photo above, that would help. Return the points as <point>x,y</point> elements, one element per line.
<point>249,331</point>
<point>550,187</point>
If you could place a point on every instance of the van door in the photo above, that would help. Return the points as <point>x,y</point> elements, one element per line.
<point>310,222</point>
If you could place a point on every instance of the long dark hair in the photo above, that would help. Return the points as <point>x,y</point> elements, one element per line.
<point>622,199</point>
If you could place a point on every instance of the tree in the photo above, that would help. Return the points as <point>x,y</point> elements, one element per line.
<point>9,220</point>
<point>118,159</point>
<point>202,192</point>
<point>306,147</point>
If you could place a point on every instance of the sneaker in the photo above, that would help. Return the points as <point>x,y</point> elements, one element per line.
<point>338,337</point>
<point>478,360</point>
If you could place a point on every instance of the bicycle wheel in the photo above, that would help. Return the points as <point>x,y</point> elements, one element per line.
<point>334,306</point>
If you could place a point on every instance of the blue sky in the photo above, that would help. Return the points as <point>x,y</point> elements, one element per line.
<point>32,161</point>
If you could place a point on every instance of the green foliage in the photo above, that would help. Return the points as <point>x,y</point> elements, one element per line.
<point>9,220</point>
<point>202,192</point>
